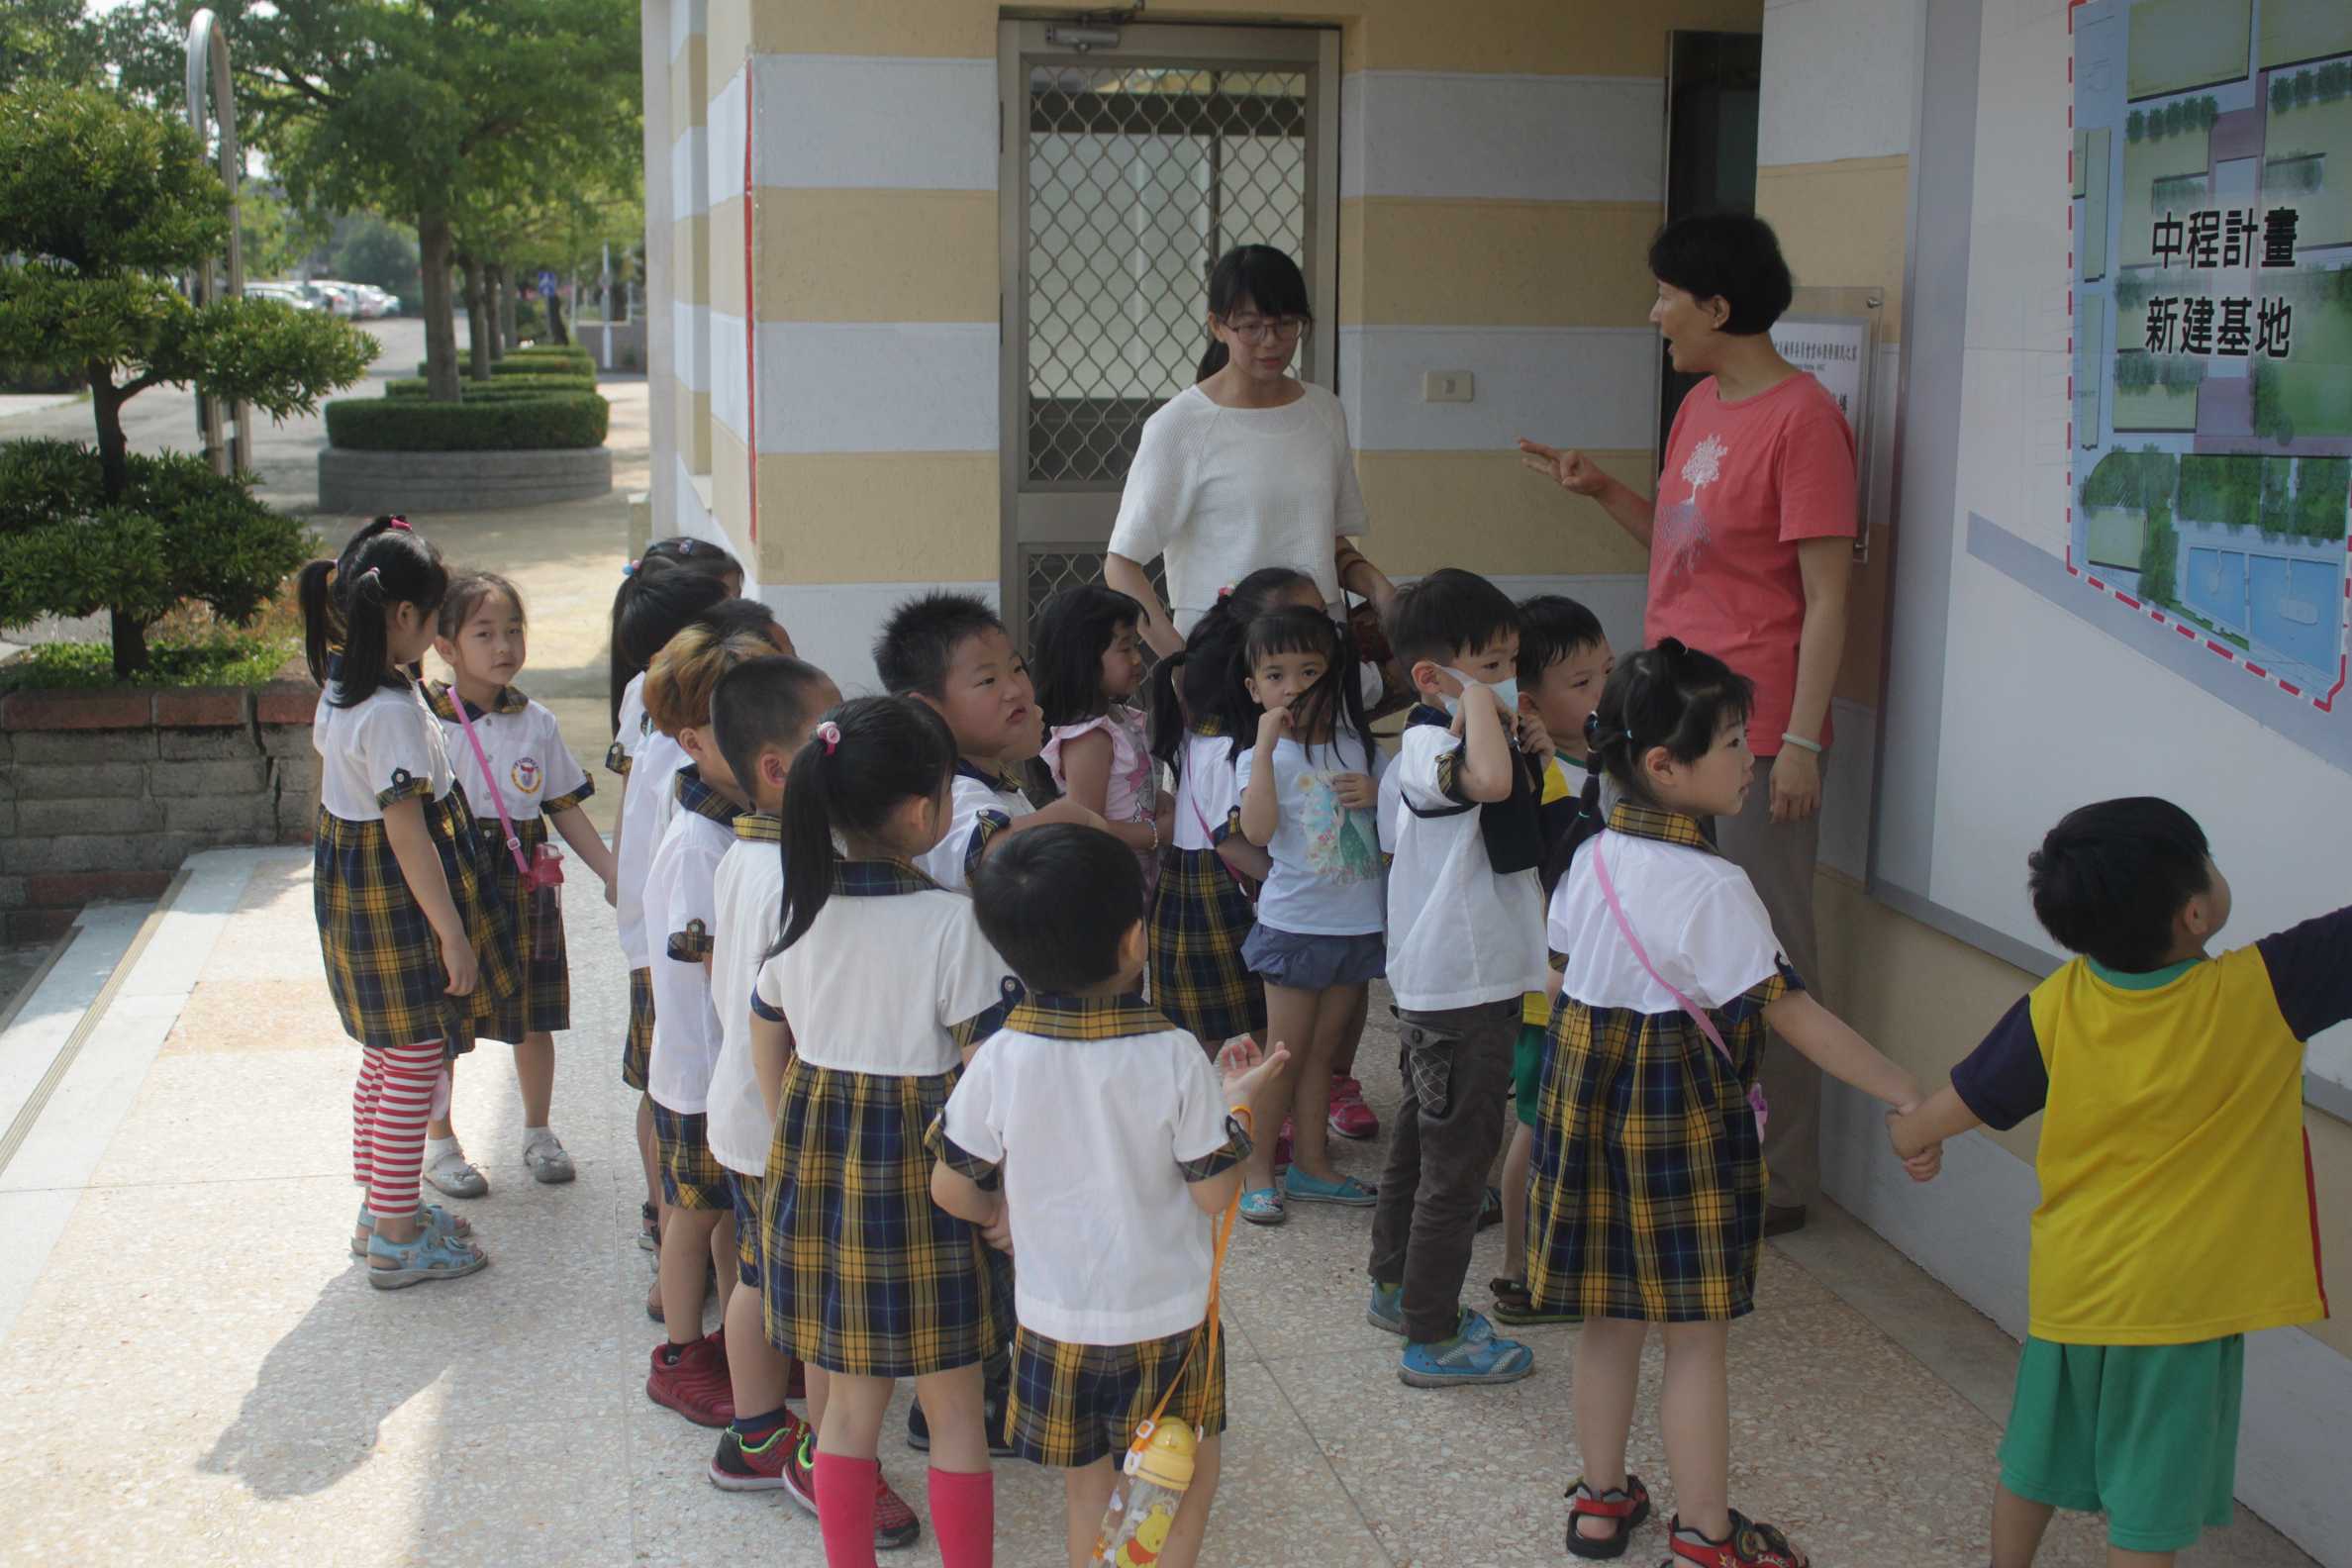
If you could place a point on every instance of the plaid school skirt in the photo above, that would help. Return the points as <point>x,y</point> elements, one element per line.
<point>637,1046</point>
<point>1074,1404</point>
<point>543,1004</point>
<point>1199,920</point>
<point>745,1192</point>
<point>383,961</point>
<point>865,1274</point>
<point>1646,1194</point>
<point>691,1175</point>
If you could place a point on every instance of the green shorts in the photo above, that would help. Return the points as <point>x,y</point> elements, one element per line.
<point>2146,1434</point>
<point>1526,1071</point>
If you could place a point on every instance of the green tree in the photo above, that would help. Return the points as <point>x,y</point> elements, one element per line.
<point>101,204</point>
<point>2160,554</point>
<point>434,110</point>
<point>373,250</point>
<point>277,239</point>
<point>49,41</point>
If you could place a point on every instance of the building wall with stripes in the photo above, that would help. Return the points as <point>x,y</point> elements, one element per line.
<point>1500,175</point>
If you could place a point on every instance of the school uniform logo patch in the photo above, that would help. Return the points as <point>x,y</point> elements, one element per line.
<point>526,774</point>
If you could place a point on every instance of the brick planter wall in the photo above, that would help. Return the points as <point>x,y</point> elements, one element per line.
<point>104,793</point>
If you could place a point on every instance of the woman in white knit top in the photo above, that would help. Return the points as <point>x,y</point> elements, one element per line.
<point>1250,467</point>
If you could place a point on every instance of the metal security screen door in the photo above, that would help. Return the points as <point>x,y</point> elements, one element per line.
<point>1128,169</point>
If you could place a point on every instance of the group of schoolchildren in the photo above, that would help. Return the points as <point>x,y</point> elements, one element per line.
<point>945,1084</point>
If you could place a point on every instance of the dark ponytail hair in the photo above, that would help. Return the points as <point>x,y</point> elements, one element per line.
<point>881,753</point>
<point>1337,699</point>
<point>1668,696</point>
<point>1253,274</point>
<point>651,608</point>
<point>345,600</point>
<point>1200,686</point>
<point>1074,629</point>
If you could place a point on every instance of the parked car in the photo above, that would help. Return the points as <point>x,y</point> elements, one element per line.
<point>283,293</point>
<point>375,302</point>
<point>336,298</point>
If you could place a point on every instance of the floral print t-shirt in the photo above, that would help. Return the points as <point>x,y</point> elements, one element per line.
<point>1744,482</point>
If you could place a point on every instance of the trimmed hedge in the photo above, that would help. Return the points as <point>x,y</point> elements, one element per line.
<point>403,423</point>
<point>499,388</point>
<point>534,362</point>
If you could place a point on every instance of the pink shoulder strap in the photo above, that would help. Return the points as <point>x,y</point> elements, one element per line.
<point>514,842</point>
<point>1707,1025</point>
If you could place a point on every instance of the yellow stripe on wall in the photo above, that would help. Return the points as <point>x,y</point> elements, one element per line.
<point>1420,263</point>
<point>690,261</point>
<point>694,426</point>
<point>726,253</point>
<point>730,490</point>
<point>876,255</point>
<point>1842,224</point>
<point>1597,38</point>
<point>878,517</point>
<point>1486,512</point>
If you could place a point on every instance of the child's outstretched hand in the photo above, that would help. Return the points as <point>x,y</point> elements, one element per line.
<point>1355,791</point>
<point>464,971</point>
<point>1246,1067</point>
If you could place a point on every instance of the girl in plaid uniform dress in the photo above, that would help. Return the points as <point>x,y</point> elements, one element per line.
<point>653,604</point>
<point>879,983</point>
<point>1089,662</point>
<point>418,950</point>
<point>1647,1202</point>
<point>1201,911</point>
<point>537,781</point>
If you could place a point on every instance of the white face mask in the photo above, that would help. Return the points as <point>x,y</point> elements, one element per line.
<point>1505,694</point>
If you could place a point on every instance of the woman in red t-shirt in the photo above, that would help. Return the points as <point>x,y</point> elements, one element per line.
<point>1750,541</point>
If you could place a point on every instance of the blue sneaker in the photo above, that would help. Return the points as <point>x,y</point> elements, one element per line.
<point>1302,1187</point>
<point>1388,1309</point>
<point>1472,1355</point>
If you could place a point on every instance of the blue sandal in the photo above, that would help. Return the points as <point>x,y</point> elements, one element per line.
<point>434,1255</point>
<point>429,1216</point>
<point>1262,1206</point>
<point>1347,1192</point>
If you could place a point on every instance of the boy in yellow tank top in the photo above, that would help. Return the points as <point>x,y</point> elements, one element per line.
<point>2177,1212</point>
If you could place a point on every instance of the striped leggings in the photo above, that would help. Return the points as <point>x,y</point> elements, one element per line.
<point>390,1105</point>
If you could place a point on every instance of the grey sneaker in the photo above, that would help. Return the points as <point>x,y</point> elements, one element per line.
<point>544,1157</point>
<point>453,1175</point>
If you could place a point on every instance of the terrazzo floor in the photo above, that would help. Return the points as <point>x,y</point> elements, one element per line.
<point>198,1375</point>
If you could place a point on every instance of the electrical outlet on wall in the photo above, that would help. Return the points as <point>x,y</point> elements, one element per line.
<point>1449,386</point>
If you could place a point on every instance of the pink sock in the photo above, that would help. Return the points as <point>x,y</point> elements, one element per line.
<point>963,1517</point>
<point>845,1509</point>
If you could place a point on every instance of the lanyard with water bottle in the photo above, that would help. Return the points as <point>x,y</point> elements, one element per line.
<point>1158,1468</point>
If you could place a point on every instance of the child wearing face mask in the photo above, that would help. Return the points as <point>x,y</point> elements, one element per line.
<point>1308,789</point>
<point>1465,944</point>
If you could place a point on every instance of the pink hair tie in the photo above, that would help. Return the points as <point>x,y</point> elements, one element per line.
<point>399,523</point>
<point>831,733</point>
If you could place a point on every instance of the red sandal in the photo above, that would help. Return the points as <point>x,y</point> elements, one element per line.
<point>1750,1546</point>
<point>1629,1506</point>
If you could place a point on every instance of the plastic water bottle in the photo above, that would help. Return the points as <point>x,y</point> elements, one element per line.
<point>1159,1467</point>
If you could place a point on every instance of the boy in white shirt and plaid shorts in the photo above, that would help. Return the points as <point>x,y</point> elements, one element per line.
<point>1110,1213</point>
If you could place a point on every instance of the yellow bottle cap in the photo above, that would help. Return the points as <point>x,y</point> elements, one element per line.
<point>1164,1457</point>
